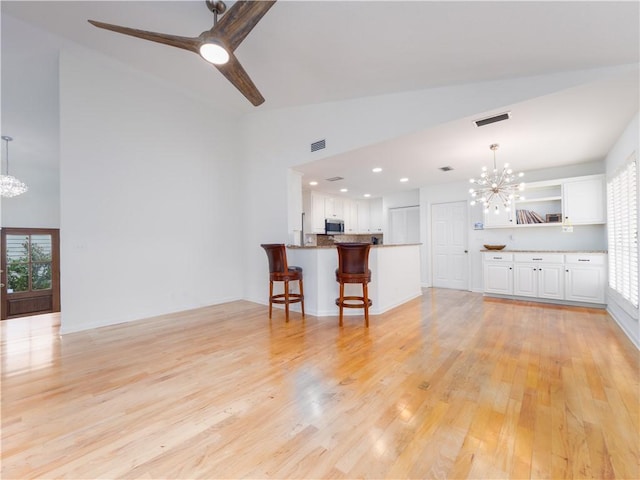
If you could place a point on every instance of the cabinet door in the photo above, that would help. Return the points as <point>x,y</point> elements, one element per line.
<point>317,213</point>
<point>500,219</point>
<point>498,278</point>
<point>375,215</point>
<point>350,216</point>
<point>583,201</point>
<point>585,283</point>
<point>334,208</point>
<point>551,281</point>
<point>364,222</point>
<point>525,280</point>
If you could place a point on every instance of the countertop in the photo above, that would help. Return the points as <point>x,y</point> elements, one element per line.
<point>544,251</point>
<point>312,247</point>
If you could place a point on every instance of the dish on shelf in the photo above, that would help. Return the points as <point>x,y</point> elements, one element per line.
<point>494,247</point>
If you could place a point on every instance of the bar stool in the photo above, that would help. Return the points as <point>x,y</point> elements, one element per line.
<point>353,267</point>
<point>279,271</point>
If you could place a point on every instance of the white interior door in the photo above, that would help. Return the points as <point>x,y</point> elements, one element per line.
<point>450,264</point>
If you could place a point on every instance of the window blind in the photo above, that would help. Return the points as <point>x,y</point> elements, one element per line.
<point>622,224</point>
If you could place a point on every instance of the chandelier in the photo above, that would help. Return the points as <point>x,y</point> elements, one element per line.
<point>10,186</point>
<point>496,188</point>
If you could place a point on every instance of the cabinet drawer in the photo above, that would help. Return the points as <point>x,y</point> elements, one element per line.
<point>539,257</point>
<point>498,257</point>
<point>585,259</point>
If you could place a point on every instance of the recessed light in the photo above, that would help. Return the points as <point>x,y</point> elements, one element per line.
<point>367,195</point>
<point>344,190</point>
<point>405,179</point>
<point>376,170</point>
<point>313,184</point>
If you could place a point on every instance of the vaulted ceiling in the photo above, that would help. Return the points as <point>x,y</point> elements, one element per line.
<point>308,52</point>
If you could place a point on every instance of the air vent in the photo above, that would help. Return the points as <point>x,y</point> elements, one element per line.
<point>334,179</point>
<point>494,119</point>
<point>319,145</point>
<point>446,169</point>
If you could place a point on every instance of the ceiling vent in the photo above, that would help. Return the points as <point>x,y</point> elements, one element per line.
<point>446,169</point>
<point>334,179</point>
<point>319,145</point>
<point>497,118</point>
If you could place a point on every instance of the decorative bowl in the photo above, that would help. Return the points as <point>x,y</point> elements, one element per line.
<point>494,247</point>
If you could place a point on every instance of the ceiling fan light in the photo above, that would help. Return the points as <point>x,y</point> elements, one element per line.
<point>214,53</point>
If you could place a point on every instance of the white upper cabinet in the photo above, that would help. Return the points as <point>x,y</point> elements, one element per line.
<point>360,216</point>
<point>577,201</point>
<point>500,219</point>
<point>375,214</point>
<point>583,200</point>
<point>350,216</point>
<point>334,207</point>
<point>364,216</point>
<point>314,214</point>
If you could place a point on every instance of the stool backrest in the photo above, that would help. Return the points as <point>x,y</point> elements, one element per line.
<point>353,257</point>
<point>277,255</point>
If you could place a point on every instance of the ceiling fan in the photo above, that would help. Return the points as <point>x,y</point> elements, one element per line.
<point>217,44</point>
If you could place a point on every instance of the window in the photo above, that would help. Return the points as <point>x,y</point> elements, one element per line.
<point>29,263</point>
<point>622,213</point>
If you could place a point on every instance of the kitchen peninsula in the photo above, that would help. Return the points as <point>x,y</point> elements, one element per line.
<point>395,277</point>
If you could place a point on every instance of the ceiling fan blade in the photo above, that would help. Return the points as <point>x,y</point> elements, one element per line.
<point>239,20</point>
<point>234,72</point>
<point>186,43</point>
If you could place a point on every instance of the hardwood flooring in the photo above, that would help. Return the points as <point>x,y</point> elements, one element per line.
<point>450,385</point>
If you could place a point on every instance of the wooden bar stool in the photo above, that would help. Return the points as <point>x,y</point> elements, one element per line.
<point>279,271</point>
<point>353,267</point>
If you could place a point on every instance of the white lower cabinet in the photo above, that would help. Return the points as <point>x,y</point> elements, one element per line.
<point>498,273</point>
<point>539,275</point>
<point>554,276</point>
<point>585,278</point>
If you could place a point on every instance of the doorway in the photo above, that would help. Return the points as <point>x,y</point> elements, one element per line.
<point>450,262</point>
<point>30,264</point>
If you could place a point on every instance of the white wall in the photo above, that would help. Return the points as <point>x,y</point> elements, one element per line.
<point>150,197</point>
<point>627,144</point>
<point>584,237</point>
<point>30,116</point>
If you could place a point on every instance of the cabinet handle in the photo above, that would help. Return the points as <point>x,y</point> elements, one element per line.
<point>567,271</point>
<point>536,259</point>
<point>497,258</point>
<point>535,269</point>
<point>510,268</point>
<point>584,260</point>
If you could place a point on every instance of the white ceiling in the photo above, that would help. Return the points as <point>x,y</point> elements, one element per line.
<point>307,52</point>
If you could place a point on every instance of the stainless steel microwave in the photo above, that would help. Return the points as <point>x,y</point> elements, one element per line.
<point>333,226</point>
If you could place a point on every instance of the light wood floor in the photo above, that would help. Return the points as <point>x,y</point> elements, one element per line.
<point>450,385</point>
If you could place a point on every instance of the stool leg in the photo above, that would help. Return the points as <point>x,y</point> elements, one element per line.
<point>270,296</point>
<point>341,300</point>
<point>286,300</point>
<point>302,297</point>
<point>365,294</point>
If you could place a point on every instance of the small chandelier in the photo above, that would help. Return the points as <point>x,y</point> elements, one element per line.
<point>497,187</point>
<point>10,186</point>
